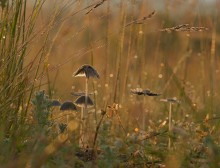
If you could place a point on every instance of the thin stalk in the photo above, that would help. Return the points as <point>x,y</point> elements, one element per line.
<point>93,85</point>
<point>144,115</point>
<point>107,50</point>
<point>97,130</point>
<point>170,124</point>
<point>128,58</point>
<point>119,53</point>
<point>86,101</point>
<point>67,119</point>
<point>81,134</point>
<point>212,69</point>
<point>85,120</point>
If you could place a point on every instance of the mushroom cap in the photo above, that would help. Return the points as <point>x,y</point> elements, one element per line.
<point>68,105</point>
<point>81,101</point>
<point>55,103</point>
<point>86,71</point>
<point>171,100</point>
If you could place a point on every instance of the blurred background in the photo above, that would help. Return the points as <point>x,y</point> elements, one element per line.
<point>127,55</point>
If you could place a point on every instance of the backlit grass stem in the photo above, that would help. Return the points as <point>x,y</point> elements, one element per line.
<point>170,123</point>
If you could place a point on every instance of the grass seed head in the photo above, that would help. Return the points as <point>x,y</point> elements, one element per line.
<point>145,92</point>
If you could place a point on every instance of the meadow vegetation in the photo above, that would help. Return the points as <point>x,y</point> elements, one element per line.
<point>170,49</point>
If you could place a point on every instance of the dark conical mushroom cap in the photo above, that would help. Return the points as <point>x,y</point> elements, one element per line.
<point>68,105</point>
<point>55,103</point>
<point>86,71</point>
<point>81,101</point>
<point>171,100</point>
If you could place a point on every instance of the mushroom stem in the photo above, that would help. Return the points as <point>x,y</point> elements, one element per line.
<point>86,100</point>
<point>67,120</point>
<point>170,123</point>
<point>81,139</point>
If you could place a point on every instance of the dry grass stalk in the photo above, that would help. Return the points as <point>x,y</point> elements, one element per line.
<point>184,28</point>
<point>114,111</point>
<point>96,5</point>
<point>142,20</point>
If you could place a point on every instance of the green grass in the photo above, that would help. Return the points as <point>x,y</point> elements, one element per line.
<point>44,42</point>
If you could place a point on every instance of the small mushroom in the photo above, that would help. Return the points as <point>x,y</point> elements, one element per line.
<point>68,105</point>
<point>81,101</point>
<point>170,101</point>
<point>86,71</point>
<point>55,103</point>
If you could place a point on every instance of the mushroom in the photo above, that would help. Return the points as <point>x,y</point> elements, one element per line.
<point>145,92</point>
<point>83,102</point>
<point>55,103</point>
<point>68,106</point>
<point>89,72</point>
<point>170,101</point>
<point>86,71</point>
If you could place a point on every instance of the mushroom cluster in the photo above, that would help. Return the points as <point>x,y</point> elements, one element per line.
<point>84,101</point>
